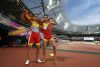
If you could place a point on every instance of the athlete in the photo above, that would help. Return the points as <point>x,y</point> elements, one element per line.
<point>34,36</point>
<point>46,29</point>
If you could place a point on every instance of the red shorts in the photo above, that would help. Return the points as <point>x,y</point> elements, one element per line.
<point>47,35</point>
<point>34,37</point>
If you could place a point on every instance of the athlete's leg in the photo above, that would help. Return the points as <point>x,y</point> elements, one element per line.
<point>52,42</point>
<point>37,50</point>
<point>44,49</point>
<point>30,44</point>
<point>37,42</point>
<point>29,51</point>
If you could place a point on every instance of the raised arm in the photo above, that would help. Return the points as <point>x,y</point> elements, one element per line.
<point>25,16</point>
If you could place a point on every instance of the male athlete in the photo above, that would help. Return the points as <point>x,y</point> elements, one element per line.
<point>46,29</point>
<point>34,36</point>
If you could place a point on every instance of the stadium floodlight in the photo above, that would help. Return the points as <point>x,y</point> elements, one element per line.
<point>52,4</point>
<point>66,26</point>
<point>59,18</point>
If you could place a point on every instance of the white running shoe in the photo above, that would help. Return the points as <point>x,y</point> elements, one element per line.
<point>43,61</point>
<point>38,60</point>
<point>51,55</point>
<point>27,62</point>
